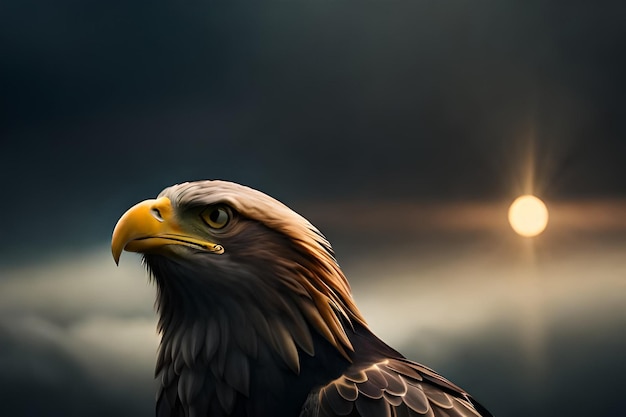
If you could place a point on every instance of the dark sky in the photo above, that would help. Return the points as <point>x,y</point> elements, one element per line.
<point>407,106</point>
<point>404,100</point>
<point>413,99</point>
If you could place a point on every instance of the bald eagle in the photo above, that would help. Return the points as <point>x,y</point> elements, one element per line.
<point>257,318</point>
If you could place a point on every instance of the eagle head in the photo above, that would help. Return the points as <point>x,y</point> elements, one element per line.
<point>229,259</point>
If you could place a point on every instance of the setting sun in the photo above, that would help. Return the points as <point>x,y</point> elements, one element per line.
<point>528,216</point>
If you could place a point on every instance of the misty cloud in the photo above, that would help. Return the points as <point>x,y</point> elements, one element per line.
<point>80,335</point>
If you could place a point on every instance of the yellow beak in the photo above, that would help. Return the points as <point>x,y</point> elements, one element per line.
<point>149,226</point>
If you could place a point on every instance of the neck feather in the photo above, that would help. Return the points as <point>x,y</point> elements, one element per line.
<point>228,341</point>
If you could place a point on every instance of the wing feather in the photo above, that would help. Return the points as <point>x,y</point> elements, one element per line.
<point>437,397</point>
<point>393,388</point>
<point>416,400</point>
<point>337,403</point>
<point>370,389</point>
<point>394,400</point>
<point>347,390</point>
<point>368,407</point>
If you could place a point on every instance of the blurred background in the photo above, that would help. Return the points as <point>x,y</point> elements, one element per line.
<point>402,129</point>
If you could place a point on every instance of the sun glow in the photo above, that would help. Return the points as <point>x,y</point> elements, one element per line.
<point>528,216</point>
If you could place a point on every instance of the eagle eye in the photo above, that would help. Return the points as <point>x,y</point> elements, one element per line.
<point>216,216</point>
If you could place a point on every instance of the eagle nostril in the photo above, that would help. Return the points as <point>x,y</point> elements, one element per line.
<point>156,214</point>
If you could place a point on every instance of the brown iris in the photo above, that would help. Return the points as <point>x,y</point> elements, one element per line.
<point>216,216</point>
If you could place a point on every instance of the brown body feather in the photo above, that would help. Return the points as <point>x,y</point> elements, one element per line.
<point>270,328</point>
